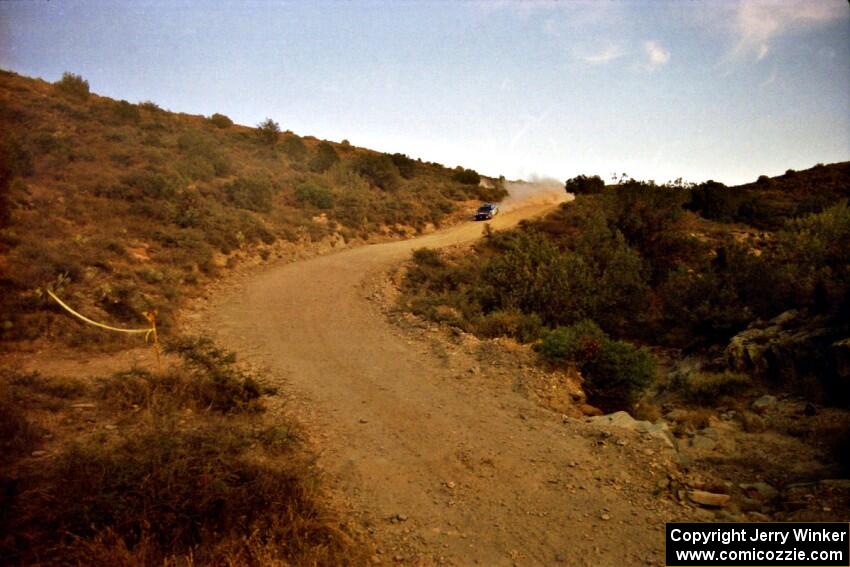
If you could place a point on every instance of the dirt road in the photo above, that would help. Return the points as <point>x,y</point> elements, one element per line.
<point>444,465</point>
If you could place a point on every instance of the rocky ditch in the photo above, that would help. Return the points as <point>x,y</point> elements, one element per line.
<point>757,464</point>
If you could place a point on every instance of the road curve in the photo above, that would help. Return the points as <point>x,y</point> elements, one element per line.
<point>442,469</point>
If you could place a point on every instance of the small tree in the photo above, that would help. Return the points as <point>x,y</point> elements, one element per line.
<point>584,185</point>
<point>268,131</point>
<point>73,85</point>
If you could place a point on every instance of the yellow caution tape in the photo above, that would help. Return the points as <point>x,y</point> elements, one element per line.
<point>95,323</point>
<point>149,315</point>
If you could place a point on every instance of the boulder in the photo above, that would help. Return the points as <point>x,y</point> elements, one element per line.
<point>703,443</point>
<point>764,404</point>
<point>658,430</point>
<point>787,347</point>
<point>710,499</point>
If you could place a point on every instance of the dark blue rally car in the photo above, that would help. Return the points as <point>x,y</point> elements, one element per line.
<point>487,212</point>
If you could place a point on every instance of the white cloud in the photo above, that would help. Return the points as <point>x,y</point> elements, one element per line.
<point>656,55</point>
<point>758,22</point>
<point>606,55</point>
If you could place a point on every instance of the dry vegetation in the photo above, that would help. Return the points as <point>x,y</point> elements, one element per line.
<point>122,207</point>
<point>181,468</point>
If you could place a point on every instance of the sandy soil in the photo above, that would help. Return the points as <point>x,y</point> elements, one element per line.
<point>442,464</point>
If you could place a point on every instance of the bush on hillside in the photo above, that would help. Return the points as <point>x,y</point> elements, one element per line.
<point>151,184</point>
<point>715,201</point>
<point>814,254</point>
<point>406,166</point>
<point>616,373</point>
<point>467,176</point>
<point>648,216</point>
<point>315,195</point>
<point>579,343</point>
<point>150,106</point>
<point>73,86</point>
<point>15,162</point>
<point>252,193</point>
<point>324,159</point>
<point>379,170</point>
<point>294,147</point>
<point>221,121</point>
<point>126,112</point>
<point>533,276</point>
<point>201,159</point>
<point>268,131</point>
<point>584,185</point>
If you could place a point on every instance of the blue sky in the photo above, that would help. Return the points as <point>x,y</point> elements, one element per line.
<point>726,90</point>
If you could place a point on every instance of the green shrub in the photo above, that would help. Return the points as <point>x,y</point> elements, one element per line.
<point>201,158</point>
<point>584,185</point>
<point>467,177</point>
<point>648,216</point>
<point>150,184</point>
<point>73,86</point>
<point>714,200</point>
<point>579,343</point>
<point>379,170</point>
<point>616,373</point>
<point>324,159</point>
<point>315,195</point>
<point>195,168</point>
<point>220,121</point>
<point>530,274</point>
<point>813,255</point>
<point>294,147</point>
<point>252,193</point>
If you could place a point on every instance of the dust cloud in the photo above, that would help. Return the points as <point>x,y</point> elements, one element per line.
<point>534,192</point>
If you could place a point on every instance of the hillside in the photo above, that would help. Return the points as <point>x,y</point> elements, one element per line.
<point>122,208</point>
<point>770,201</point>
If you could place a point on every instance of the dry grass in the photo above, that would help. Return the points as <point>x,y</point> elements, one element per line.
<point>192,474</point>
